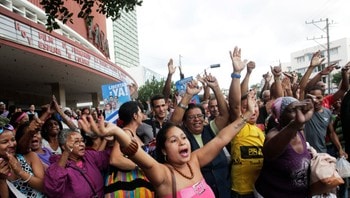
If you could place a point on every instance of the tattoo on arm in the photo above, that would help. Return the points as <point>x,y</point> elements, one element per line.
<point>240,124</point>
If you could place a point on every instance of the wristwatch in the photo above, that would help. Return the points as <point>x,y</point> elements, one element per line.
<point>182,106</point>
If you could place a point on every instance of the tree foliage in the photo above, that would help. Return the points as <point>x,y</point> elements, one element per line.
<point>151,88</point>
<point>55,9</point>
<point>336,78</point>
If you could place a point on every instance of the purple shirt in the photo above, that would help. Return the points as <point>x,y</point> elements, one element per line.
<point>69,182</point>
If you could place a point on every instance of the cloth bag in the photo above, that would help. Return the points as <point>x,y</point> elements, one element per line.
<point>324,176</point>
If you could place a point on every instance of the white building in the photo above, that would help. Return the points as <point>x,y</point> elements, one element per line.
<point>339,53</point>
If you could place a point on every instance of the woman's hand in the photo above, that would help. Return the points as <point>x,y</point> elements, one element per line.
<point>304,111</point>
<point>13,164</point>
<point>192,88</point>
<point>4,169</point>
<point>103,128</point>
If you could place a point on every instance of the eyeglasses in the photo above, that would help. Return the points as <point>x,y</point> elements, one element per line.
<point>192,117</point>
<point>8,127</point>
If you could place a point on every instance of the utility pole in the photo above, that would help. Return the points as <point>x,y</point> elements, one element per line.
<point>180,60</point>
<point>328,44</point>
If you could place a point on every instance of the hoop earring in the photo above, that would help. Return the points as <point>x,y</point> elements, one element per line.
<point>165,158</point>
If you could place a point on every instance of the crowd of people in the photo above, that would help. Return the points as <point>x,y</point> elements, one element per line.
<point>250,143</point>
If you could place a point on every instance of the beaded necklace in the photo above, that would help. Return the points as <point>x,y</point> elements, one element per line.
<point>183,175</point>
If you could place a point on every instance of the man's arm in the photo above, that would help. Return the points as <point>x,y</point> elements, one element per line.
<point>344,85</point>
<point>276,88</point>
<point>235,87</point>
<point>167,86</point>
<point>335,140</point>
<point>222,119</point>
<point>315,61</point>
<point>245,82</point>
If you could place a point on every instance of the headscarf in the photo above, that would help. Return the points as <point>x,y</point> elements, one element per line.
<point>279,105</point>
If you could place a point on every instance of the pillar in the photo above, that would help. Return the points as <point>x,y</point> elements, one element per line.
<point>58,90</point>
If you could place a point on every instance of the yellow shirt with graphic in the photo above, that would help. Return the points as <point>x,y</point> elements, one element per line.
<point>247,158</point>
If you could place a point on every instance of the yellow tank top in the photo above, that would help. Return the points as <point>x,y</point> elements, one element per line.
<point>247,158</point>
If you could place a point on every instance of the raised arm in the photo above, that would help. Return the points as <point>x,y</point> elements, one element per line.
<point>167,86</point>
<point>206,88</point>
<point>277,141</point>
<point>276,87</point>
<point>245,82</point>
<point>154,171</point>
<point>235,88</point>
<point>210,150</point>
<point>316,60</point>
<point>267,79</point>
<point>66,119</point>
<point>326,71</point>
<point>191,90</point>
<point>344,85</point>
<point>222,119</point>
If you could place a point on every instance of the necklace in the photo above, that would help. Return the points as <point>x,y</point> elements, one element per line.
<point>183,175</point>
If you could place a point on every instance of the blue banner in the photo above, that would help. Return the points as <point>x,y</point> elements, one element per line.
<point>114,95</point>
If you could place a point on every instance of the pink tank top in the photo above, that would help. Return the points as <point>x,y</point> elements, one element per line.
<point>198,190</point>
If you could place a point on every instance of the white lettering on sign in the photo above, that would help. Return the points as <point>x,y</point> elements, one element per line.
<point>26,35</point>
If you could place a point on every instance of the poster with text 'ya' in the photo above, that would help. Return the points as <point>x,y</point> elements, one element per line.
<point>114,95</point>
<point>181,90</point>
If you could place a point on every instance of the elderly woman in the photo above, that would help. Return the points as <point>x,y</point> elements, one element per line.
<point>76,172</point>
<point>180,173</point>
<point>286,158</point>
<point>20,167</point>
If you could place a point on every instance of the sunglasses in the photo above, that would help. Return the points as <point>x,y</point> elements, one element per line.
<point>8,127</point>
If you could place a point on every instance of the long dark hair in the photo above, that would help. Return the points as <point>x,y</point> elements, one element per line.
<point>127,110</point>
<point>161,139</point>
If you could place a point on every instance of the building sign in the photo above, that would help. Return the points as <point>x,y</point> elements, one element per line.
<point>97,37</point>
<point>21,33</point>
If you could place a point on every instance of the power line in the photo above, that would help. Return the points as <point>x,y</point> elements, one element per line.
<point>325,30</point>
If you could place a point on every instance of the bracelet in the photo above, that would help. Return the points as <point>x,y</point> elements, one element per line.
<point>27,180</point>
<point>243,118</point>
<point>234,75</point>
<point>131,149</point>
<point>184,107</point>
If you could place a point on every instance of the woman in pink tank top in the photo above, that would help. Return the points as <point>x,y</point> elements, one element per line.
<point>176,163</point>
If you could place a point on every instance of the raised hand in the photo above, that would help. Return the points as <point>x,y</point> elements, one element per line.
<point>292,76</point>
<point>276,70</point>
<point>192,88</point>
<point>250,66</point>
<point>267,77</point>
<point>327,70</point>
<point>211,81</point>
<point>304,111</point>
<point>316,59</point>
<point>237,63</point>
<point>201,79</point>
<point>171,67</point>
<point>251,101</point>
<point>286,84</point>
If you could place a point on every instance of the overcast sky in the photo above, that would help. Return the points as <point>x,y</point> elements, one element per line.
<point>204,31</point>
